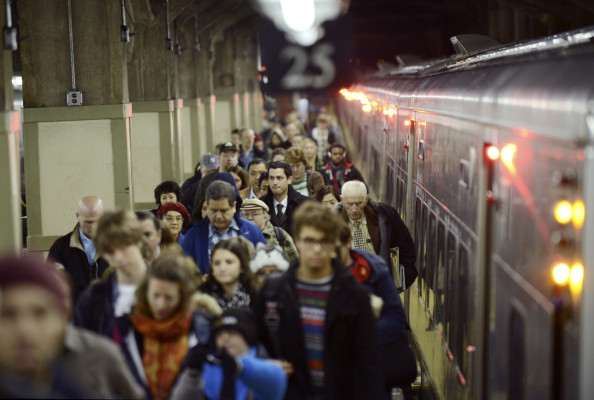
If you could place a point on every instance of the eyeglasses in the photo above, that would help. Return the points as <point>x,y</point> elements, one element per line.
<point>171,219</point>
<point>250,214</point>
<point>311,243</point>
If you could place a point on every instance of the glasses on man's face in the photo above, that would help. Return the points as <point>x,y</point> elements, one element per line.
<point>176,219</point>
<point>248,215</point>
<point>311,243</point>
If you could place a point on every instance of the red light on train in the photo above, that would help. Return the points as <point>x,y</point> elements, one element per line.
<point>492,152</point>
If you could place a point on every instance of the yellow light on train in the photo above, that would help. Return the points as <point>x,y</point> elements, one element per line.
<point>579,214</point>
<point>563,212</point>
<point>493,152</point>
<point>561,273</point>
<point>507,153</point>
<point>576,277</point>
<point>366,108</point>
<point>407,123</point>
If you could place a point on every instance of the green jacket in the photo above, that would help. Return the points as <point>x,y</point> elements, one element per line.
<point>288,247</point>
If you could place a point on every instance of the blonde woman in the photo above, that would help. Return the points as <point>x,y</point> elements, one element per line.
<point>311,154</point>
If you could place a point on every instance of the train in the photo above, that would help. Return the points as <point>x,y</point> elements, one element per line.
<point>488,157</point>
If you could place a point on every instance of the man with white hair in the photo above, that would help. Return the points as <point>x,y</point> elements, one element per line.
<point>377,227</point>
<point>76,250</point>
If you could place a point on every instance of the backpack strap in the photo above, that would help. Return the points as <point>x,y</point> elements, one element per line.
<point>272,306</point>
<point>279,236</point>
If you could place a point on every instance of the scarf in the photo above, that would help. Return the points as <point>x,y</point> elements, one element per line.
<point>240,297</point>
<point>338,172</point>
<point>165,347</point>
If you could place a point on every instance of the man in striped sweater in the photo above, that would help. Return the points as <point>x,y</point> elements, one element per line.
<point>318,320</point>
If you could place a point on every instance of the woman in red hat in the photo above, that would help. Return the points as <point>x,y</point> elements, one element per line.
<point>176,217</point>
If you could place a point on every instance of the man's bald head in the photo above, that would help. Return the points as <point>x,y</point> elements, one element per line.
<point>90,208</point>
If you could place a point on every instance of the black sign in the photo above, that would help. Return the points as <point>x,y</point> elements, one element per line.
<point>288,66</point>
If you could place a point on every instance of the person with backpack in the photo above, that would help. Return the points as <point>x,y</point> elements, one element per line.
<point>256,211</point>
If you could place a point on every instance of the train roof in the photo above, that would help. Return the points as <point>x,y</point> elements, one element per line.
<point>544,86</point>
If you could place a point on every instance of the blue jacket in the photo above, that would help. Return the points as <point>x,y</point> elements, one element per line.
<point>195,243</point>
<point>266,380</point>
<point>392,320</point>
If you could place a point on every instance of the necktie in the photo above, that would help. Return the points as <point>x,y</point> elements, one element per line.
<point>279,211</point>
<point>359,239</point>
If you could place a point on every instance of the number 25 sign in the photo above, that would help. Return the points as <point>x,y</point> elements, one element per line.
<point>324,65</point>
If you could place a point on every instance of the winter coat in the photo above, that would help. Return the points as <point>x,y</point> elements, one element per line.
<point>95,308</point>
<point>351,349</point>
<point>379,282</point>
<point>265,380</point>
<point>288,245</point>
<point>131,343</point>
<point>387,230</point>
<point>315,183</point>
<point>195,243</point>
<point>69,251</point>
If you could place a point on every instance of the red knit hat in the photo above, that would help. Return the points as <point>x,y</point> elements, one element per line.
<point>31,270</point>
<point>180,208</point>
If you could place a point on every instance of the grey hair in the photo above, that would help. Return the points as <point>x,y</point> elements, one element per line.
<point>355,185</point>
<point>218,190</point>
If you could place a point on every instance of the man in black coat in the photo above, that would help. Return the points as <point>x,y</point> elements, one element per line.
<point>318,319</point>
<point>282,200</point>
<point>376,227</point>
<point>76,250</point>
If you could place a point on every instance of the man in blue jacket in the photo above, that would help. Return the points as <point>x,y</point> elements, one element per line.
<point>221,222</point>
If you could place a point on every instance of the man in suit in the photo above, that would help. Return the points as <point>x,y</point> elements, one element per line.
<point>282,199</point>
<point>377,227</point>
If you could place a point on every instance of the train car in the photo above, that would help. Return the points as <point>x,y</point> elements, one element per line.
<point>487,155</point>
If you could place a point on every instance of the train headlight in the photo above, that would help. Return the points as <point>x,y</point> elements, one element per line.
<point>563,212</point>
<point>579,214</point>
<point>561,273</point>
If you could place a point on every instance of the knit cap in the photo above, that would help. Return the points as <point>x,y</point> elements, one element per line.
<point>241,320</point>
<point>210,161</point>
<point>32,271</point>
<point>180,208</point>
<point>269,254</point>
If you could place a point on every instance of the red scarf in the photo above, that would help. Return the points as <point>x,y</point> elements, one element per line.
<point>165,347</point>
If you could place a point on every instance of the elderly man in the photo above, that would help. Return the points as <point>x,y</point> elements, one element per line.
<point>221,223</point>
<point>76,250</point>
<point>257,211</point>
<point>377,228</point>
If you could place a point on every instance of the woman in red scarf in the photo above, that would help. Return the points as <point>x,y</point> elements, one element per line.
<point>156,336</point>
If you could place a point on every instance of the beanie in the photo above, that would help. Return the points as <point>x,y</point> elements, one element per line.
<point>210,161</point>
<point>269,254</point>
<point>32,271</point>
<point>240,320</point>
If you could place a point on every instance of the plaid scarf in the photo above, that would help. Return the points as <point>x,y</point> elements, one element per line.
<point>165,347</point>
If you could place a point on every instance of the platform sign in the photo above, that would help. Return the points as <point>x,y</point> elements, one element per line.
<point>324,65</point>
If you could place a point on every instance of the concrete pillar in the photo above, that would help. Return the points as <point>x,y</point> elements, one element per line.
<point>205,88</point>
<point>10,176</point>
<point>73,151</point>
<point>157,119</point>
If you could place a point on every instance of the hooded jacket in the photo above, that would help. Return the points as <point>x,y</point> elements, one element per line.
<point>350,174</point>
<point>351,349</point>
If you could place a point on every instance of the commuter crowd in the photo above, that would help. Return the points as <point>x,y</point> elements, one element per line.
<point>266,275</point>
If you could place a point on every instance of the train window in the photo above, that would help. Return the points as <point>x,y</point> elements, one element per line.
<point>399,196</point>
<point>450,298</point>
<point>440,275</point>
<point>463,329</point>
<point>431,261</point>
<point>516,356</point>
<point>419,235</point>
<point>389,188</point>
<point>423,256</point>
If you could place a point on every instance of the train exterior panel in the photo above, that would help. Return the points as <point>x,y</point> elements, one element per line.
<point>488,316</point>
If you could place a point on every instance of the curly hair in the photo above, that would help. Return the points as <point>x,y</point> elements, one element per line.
<point>116,229</point>
<point>168,187</point>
